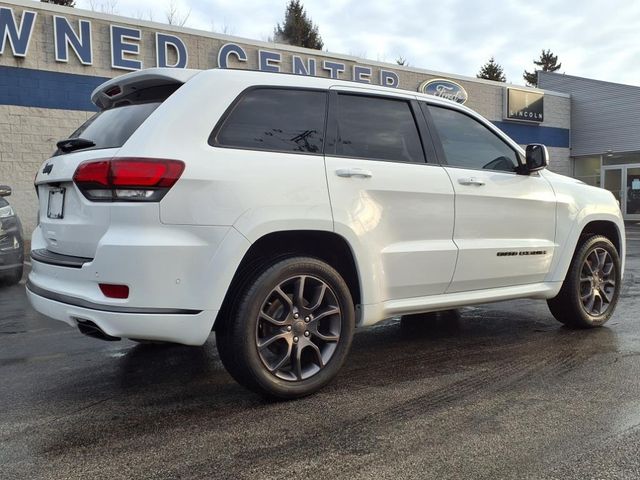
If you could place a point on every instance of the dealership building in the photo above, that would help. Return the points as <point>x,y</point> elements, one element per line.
<point>52,57</point>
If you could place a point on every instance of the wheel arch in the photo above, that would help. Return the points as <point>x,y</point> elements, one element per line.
<point>609,226</point>
<point>324,245</point>
<point>606,228</point>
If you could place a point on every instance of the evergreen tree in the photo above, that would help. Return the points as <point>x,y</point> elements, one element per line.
<point>298,29</point>
<point>548,63</point>
<point>64,3</point>
<point>492,70</point>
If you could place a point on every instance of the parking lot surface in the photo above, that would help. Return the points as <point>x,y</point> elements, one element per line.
<point>497,391</point>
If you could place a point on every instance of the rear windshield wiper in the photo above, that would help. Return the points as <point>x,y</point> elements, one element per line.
<point>71,144</point>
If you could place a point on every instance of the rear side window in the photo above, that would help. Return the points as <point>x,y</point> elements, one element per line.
<point>276,119</point>
<point>377,128</point>
<point>112,128</point>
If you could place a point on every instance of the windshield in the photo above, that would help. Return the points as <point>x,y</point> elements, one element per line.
<point>112,128</point>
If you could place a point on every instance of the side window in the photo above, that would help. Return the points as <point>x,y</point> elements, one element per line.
<point>276,119</point>
<point>468,143</point>
<point>378,128</point>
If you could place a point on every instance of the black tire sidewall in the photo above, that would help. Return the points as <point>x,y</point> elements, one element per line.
<point>14,277</point>
<point>246,318</point>
<point>585,319</point>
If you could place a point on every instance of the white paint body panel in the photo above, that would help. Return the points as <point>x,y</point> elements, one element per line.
<point>509,213</point>
<point>420,241</point>
<point>399,221</point>
<point>578,205</point>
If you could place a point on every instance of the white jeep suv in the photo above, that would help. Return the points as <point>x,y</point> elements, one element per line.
<point>283,211</point>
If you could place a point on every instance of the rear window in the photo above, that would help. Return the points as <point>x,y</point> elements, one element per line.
<point>112,128</point>
<point>276,120</point>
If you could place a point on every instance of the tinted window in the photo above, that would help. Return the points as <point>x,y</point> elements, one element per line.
<point>277,119</point>
<point>371,127</point>
<point>468,143</point>
<point>112,128</point>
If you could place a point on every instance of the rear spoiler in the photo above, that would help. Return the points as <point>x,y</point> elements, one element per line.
<point>110,91</point>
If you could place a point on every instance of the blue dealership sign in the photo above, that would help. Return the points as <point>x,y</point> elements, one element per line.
<point>447,89</point>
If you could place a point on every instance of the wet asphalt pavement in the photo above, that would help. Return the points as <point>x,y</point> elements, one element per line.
<point>500,391</point>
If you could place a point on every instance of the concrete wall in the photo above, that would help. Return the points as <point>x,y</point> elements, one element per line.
<point>27,137</point>
<point>42,99</point>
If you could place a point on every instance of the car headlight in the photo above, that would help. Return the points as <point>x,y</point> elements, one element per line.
<point>6,211</point>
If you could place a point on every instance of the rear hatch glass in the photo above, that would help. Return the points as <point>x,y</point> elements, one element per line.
<point>110,128</point>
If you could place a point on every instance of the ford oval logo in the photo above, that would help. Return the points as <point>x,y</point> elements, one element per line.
<point>444,89</point>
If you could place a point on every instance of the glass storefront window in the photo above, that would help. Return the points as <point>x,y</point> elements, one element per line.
<point>620,175</point>
<point>587,169</point>
<point>633,191</point>
<point>613,182</point>
<point>620,158</point>
<point>624,182</point>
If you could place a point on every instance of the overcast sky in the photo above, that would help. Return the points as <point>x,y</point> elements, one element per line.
<point>596,39</point>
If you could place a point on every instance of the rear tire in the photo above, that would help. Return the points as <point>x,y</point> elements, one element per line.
<point>14,277</point>
<point>591,288</point>
<point>290,329</point>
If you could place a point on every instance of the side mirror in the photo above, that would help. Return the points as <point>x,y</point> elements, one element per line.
<point>5,190</point>
<point>537,157</point>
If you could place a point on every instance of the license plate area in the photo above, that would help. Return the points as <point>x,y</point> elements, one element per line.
<point>55,208</point>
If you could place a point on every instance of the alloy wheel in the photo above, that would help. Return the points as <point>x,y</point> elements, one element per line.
<point>597,282</point>
<point>298,328</point>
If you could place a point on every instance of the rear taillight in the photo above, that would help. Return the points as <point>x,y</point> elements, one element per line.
<point>127,179</point>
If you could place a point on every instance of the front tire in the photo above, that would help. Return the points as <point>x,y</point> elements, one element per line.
<point>591,288</point>
<point>290,330</point>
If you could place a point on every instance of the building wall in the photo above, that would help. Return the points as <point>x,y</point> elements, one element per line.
<point>603,114</point>
<point>27,137</point>
<point>43,99</point>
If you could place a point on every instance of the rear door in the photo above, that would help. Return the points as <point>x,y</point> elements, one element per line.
<point>388,195</point>
<point>505,222</point>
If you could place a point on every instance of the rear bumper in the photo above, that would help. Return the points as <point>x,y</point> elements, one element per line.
<point>190,328</point>
<point>165,267</point>
<point>177,277</point>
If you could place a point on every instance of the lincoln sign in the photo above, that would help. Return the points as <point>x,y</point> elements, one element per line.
<point>525,105</point>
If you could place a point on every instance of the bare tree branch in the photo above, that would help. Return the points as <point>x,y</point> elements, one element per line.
<point>225,28</point>
<point>175,16</point>
<point>140,15</point>
<point>106,6</point>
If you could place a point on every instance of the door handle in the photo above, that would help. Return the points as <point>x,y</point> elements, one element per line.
<point>471,181</point>
<point>353,172</point>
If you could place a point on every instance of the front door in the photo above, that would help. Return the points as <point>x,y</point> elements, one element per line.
<point>504,222</point>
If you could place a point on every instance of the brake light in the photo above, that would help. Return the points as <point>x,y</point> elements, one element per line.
<point>113,91</point>
<point>114,291</point>
<point>127,179</point>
